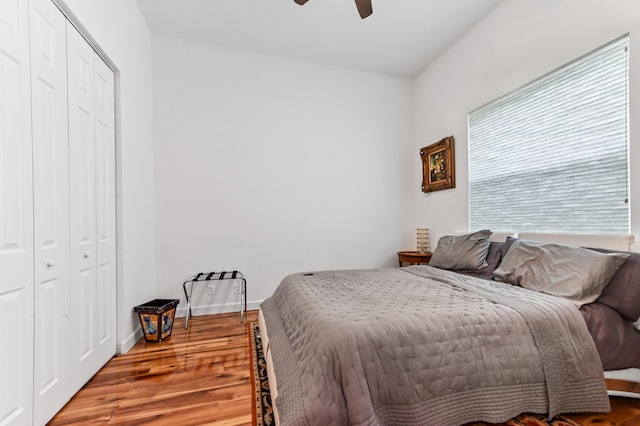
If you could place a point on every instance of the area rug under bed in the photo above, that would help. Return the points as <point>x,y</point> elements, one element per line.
<point>262,410</point>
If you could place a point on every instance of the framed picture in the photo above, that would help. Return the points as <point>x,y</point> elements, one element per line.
<point>438,165</point>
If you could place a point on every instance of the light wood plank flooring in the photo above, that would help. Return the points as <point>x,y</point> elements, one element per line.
<point>201,376</point>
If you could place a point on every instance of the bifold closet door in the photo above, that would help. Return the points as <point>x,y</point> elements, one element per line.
<point>105,309</point>
<point>16,217</point>
<point>92,274</point>
<point>51,208</point>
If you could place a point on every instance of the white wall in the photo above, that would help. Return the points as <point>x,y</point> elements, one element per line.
<point>119,30</point>
<point>273,166</point>
<point>517,42</point>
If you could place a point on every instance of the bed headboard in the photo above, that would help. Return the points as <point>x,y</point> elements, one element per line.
<point>496,236</point>
<point>605,241</point>
<point>621,242</point>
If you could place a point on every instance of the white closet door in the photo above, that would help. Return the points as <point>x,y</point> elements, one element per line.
<point>51,208</point>
<point>16,218</point>
<point>105,211</point>
<point>92,208</point>
<point>82,170</point>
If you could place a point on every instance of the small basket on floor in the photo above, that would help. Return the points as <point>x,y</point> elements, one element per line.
<point>156,318</point>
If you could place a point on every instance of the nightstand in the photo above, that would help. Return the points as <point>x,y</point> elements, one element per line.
<point>413,258</point>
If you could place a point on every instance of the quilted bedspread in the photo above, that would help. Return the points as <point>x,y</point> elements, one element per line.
<point>419,345</point>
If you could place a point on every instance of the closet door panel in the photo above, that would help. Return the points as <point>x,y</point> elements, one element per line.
<point>51,208</point>
<point>82,166</point>
<point>105,208</point>
<point>16,217</point>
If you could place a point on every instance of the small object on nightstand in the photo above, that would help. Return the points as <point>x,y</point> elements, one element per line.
<point>422,241</point>
<point>413,258</point>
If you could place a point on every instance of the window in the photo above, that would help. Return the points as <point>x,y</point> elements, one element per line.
<point>553,155</point>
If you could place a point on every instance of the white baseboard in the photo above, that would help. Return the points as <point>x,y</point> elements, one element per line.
<point>222,308</point>
<point>130,341</point>
<point>181,311</point>
<point>623,394</point>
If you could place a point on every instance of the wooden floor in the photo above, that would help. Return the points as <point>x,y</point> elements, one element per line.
<point>198,376</point>
<point>201,376</point>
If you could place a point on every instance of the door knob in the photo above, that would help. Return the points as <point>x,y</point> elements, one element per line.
<point>51,263</point>
<point>87,255</point>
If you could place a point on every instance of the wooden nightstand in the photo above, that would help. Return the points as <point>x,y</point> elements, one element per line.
<point>413,258</point>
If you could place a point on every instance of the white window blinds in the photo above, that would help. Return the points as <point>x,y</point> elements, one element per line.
<point>552,156</point>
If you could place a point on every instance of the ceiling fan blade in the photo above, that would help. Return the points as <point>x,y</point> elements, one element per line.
<point>364,8</point>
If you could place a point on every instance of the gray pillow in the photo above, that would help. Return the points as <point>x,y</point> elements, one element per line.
<point>623,291</point>
<point>462,251</point>
<point>573,273</point>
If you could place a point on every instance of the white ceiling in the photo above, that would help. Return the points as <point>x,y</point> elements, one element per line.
<point>400,38</point>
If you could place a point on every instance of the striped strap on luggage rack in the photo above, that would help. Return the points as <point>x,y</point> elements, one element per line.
<point>212,276</point>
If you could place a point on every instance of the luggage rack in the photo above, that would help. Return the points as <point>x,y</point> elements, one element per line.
<point>215,276</point>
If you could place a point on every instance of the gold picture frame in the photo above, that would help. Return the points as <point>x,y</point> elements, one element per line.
<point>438,165</point>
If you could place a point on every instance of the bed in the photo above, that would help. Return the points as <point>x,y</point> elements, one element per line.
<point>425,345</point>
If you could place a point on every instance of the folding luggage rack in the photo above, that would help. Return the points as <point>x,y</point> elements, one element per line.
<point>215,276</point>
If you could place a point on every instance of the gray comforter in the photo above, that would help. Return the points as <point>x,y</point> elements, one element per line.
<point>419,345</point>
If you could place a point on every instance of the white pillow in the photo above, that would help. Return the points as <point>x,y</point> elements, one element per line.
<point>573,273</point>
